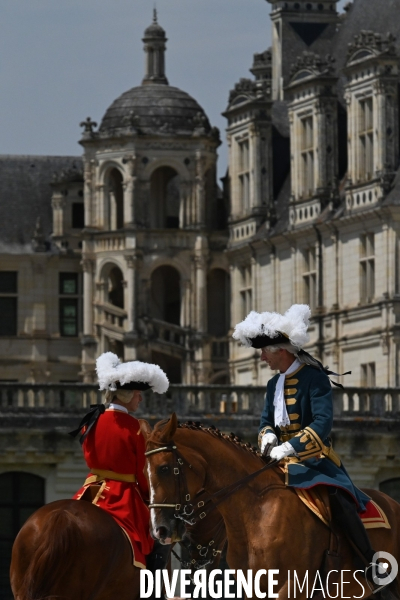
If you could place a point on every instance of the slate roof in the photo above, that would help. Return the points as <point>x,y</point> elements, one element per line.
<point>155,108</point>
<point>25,194</point>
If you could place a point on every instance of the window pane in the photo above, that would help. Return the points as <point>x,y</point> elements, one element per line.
<point>8,282</point>
<point>8,316</point>
<point>68,283</point>
<point>78,215</point>
<point>68,317</point>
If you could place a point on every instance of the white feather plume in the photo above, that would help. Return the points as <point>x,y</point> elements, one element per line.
<point>110,370</point>
<point>294,323</point>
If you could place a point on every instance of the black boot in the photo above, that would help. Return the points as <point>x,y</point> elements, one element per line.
<point>345,513</point>
<point>157,560</point>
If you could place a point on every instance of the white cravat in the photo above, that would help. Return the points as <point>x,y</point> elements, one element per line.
<point>281,416</point>
<point>113,406</point>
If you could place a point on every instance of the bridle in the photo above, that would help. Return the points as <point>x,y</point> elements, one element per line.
<point>184,509</point>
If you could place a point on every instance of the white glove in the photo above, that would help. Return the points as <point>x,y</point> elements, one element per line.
<point>268,441</point>
<point>281,451</point>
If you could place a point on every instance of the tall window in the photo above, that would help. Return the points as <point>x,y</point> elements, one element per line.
<point>310,278</point>
<point>8,302</point>
<point>21,495</point>
<point>368,377</point>
<point>367,268</point>
<point>69,304</point>
<point>307,156</point>
<point>246,293</point>
<point>244,175</point>
<point>366,140</point>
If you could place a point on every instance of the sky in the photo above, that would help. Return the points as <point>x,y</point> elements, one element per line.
<point>65,60</point>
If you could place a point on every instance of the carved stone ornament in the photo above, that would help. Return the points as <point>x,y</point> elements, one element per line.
<point>367,44</point>
<point>310,64</point>
<point>246,88</point>
<point>88,125</point>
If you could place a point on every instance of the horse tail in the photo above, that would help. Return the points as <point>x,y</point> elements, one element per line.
<point>54,557</point>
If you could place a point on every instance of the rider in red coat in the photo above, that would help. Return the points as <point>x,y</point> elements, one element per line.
<point>114,447</point>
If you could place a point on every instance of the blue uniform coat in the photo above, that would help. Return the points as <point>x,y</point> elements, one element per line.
<point>308,397</point>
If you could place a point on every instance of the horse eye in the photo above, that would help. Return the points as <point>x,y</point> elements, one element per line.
<point>164,469</point>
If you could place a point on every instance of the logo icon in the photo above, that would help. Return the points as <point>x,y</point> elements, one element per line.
<point>384,568</point>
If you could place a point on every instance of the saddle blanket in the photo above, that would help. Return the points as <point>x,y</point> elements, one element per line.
<point>372,518</point>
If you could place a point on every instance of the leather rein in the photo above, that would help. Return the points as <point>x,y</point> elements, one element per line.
<point>184,509</point>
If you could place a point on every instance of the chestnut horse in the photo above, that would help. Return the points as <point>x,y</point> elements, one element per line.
<point>72,550</point>
<point>267,525</point>
<point>202,541</point>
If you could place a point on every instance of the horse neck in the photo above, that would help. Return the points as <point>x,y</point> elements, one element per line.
<point>227,462</point>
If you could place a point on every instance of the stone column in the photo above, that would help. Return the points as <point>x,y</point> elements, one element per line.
<point>380,126</point>
<point>88,268</point>
<point>132,262</point>
<point>200,190</point>
<point>184,207</point>
<point>102,206</point>
<point>253,171</point>
<point>88,199</point>
<point>130,189</point>
<point>88,341</point>
<point>201,257</point>
<point>58,204</point>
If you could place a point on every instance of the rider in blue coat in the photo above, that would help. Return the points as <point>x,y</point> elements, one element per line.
<point>297,417</point>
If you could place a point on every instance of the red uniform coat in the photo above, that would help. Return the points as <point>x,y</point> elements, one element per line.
<point>115,443</point>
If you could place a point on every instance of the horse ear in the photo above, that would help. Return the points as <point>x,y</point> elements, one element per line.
<point>169,430</point>
<point>145,428</point>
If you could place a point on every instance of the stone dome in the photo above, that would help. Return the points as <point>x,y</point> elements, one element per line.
<point>154,108</point>
<point>154,31</point>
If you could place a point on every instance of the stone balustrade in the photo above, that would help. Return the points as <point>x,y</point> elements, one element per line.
<point>191,401</point>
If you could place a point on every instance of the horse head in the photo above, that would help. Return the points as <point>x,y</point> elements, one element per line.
<point>174,481</point>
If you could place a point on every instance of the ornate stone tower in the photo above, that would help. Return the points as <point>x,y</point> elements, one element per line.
<point>296,27</point>
<point>152,254</point>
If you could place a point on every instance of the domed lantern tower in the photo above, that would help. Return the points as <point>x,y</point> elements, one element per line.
<point>152,211</point>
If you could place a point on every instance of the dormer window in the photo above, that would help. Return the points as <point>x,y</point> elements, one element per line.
<point>307,155</point>
<point>366,140</point>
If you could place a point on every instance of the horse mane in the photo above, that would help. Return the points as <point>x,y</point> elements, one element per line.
<point>54,556</point>
<point>232,437</point>
<point>211,430</point>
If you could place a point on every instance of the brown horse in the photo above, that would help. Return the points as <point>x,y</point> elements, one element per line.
<point>72,550</point>
<point>267,526</point>
<point>203,541</point>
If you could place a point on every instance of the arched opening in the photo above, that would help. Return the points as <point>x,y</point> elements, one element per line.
<point>391,487</point>
<point>165,198</point>
<point>115,200</point>
<point>21,495</point>
<point>166,295</point>
<point>116,287</point>
<point>218,302</point>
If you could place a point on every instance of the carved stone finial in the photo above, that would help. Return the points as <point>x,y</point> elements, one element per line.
<point>88,125</point>
<point>155,14</point>
<point>245,87</point>
<point>369,43</point>
<point>311,64</point>
<point>38,239</point>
